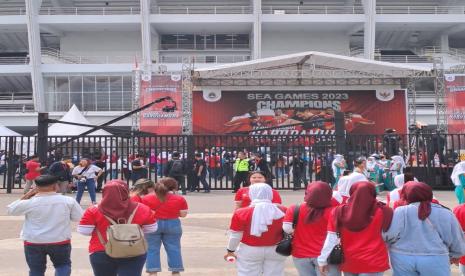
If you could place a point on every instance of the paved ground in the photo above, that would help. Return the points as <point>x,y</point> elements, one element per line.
<point>203,242</point>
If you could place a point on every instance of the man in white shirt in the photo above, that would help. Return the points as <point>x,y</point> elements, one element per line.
<point>86,175</point>
<point>47,226</point>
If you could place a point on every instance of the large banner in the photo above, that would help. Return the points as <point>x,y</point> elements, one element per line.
<point>164,117</point>
<point>455,98</point>
<point>299,112</point>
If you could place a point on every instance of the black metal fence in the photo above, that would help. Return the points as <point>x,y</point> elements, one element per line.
<point>430,157</point>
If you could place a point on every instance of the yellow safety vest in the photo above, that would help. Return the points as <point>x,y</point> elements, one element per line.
<point>242,165</point>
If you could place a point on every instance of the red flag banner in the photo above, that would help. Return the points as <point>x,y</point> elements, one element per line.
<point>455,98</point>
<point>164,117</point>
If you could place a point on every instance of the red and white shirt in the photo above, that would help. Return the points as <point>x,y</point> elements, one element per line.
<point>459,213</point>
<point>169,209</point>
<point>242,196</point>
<point>242,220</point>
<point>364,251</point>
<point>93,220</point>
<point>308,237</point>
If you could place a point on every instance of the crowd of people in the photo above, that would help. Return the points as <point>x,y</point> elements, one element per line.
<point>340,227</point>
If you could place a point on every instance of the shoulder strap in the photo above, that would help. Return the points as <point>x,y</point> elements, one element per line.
<point>127,222</point>
<point>132,215</point>
<point>295,217</point>
<point>85,169</point>
<point>100,237</point>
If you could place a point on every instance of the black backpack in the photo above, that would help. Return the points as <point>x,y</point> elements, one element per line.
<point>177,167</point>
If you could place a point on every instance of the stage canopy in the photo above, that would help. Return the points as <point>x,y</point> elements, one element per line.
<point>4,131</point>
<point>74,116</point>
<point>308,65</point>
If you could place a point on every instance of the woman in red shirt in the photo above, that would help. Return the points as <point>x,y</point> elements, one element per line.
<point>141,188</point>
<point>310,229</point>
<point>168,207</point>
<point>360,223</point>
<point>258,228</point>
<point>242,198</point>
<point>116,205</point>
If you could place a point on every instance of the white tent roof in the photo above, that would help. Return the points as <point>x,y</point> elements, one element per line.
<point>73,116</point>
<point>319,59</point>
<point>4,131</point>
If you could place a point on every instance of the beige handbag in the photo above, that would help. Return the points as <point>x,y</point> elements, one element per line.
<point>124,240</point>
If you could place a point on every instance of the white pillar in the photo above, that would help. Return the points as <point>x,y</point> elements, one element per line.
<point>156,45</point>
<point>146,35</point>
<point>35,55</point>
<point>257,29</point>
<point>369,36</point>
<point>444,43</point>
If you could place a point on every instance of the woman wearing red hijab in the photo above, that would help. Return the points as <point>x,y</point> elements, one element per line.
<point>116,205</point>
<point>310,229</point>
<point>424,237</point>
<point>360,223</point>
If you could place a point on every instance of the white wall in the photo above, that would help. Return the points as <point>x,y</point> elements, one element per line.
<point>107,43</point>
<point>281,43</point>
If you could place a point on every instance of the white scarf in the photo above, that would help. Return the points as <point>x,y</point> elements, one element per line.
<point>459,169</point>
<point>399,160</point>
<point>264,212</point>
<point>343,186</point>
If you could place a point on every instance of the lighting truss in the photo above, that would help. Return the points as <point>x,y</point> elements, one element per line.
<point>187,69</point>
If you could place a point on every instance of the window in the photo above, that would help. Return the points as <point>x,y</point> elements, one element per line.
<point>185,41</point>
<point>204,41</point>
<point>89,93</point>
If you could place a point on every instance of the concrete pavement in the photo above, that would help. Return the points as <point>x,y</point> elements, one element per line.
<point>203,242</point>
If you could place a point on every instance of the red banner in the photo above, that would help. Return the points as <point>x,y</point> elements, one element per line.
<point>164,117</point>
<point>299,112</point>
<point>455,97</point>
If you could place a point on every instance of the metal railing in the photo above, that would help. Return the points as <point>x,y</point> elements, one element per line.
<point>202,10</point>
<point>16,107</point>
<point>420,9</point>
<point>89,10</point>
<point>14,60</point>
<point>56,56</point>
<point>430,157</point>
<point>12,11</point>
<point>404,58</point>
<point>203,59</point>
<point>310,9</point>
<point>15,97</point>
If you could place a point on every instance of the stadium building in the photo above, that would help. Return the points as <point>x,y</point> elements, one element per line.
<point>56,53</point>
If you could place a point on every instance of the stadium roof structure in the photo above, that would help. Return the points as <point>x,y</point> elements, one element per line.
<point>306,67</point>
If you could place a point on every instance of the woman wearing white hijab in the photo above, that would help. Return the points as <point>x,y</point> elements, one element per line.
<point>254,232</point>
<point>338,165</point>
<point>397,167</point>
<point>399,181</point>
<point>458,178</point>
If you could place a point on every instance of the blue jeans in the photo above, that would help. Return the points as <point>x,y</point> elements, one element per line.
<point>114,173</point>
<point>414,265</point>
<point>364,274</point>
<point>169,233</point>
<point>90,184</point>
<point>36,258</point>
<point>104,265</point>
<point>309,267</point>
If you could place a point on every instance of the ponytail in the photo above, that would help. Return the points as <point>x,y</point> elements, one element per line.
<point>164,186</point>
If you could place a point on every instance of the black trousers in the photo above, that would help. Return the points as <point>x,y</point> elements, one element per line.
<point>181,179</point>
<point>240,177</point>
<point>297,177</point>
<point>198,180</point>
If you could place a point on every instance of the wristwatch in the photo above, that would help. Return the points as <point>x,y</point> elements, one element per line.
<point>230,251</point>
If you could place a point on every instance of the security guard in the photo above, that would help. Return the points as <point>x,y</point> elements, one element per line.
<point>241,167</point>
